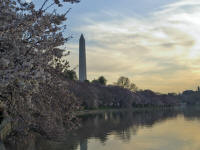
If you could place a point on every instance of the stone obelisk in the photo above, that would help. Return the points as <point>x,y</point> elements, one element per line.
<point>82,59</point>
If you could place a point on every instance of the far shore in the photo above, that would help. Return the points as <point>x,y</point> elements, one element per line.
<point>137,109</point>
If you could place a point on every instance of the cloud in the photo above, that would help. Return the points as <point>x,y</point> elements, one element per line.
<point>159,51</point>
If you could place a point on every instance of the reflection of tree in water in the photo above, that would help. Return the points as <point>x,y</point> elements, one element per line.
<point>192,113</point>
<point>123,124</point>
<point>83,144</point>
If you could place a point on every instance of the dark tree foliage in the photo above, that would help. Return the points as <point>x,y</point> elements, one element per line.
<point>102,80</point>
<point>126,83</point>
<point>92,96</point>
<point>70,74</point>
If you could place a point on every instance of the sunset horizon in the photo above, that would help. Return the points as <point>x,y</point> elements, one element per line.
<point>156,45</point>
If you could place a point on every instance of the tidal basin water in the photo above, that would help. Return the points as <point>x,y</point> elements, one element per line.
<point>158,129</point>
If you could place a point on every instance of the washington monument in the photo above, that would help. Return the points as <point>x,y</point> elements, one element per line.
<point>82,59</point>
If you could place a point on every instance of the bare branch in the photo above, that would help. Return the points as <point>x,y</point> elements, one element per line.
<point>43,4</point>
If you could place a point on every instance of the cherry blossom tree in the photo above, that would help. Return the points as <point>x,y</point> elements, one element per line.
<point>30,62</point>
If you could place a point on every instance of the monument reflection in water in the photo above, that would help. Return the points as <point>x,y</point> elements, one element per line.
<point>168,129</point>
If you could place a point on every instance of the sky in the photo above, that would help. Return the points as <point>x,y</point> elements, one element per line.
<point>155,43</point>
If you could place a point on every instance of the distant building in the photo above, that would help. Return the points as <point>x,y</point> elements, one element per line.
<point>187,92</point>
<point>82,59</point>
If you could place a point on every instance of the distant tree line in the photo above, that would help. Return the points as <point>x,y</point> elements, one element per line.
<point>124,93</point>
